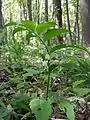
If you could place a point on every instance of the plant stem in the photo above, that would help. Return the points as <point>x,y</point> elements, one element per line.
<point>42,42</point>
<point>48,79</point>
<point>48,64</point>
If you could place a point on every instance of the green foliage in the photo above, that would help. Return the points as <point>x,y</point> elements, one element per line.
<point>30,25</point>
<point>20,102</point>
<point>64,104</point>
<point>60,46</point>
<point>52,33</point>
<point>42,74</point>
<point>18,29</point>
<point>4,111</point>
<point>10,24</point>
<point>81,91</point>
<point>76,83</point>
<point>31,72</point>
<point>40,107</point>
<point>43,27</point>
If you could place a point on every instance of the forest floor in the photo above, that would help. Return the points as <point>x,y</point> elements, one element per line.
<point>82,111</point>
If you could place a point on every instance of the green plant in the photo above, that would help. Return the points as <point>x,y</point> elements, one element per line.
<point>45,32</point>
<point>40,107</point>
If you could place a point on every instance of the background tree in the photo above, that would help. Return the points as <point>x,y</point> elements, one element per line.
<point>46,10</point>
<point>29,5</point>
<point>1,18</point>
<point>85,11</point>
<point>58,13</point>
<point>68,20</point>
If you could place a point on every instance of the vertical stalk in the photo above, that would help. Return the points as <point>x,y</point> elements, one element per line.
<point>48,78</point>
<point>48,64</point>
<point>68,21</point>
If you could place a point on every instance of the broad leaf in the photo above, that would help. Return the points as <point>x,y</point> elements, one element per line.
<point>18,29</point>
<point>31,72</point>
<point>64,104</point>
<point>29,25</point>
<point>78,82</point>
<point>57,47</point>
<point>41,108</point>
<point>10,24</point>
<point>60,46</point>
<point>52,33</point>
<point>81,91</point>
<point>42,27</point>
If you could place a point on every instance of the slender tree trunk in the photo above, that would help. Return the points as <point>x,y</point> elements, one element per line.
<point>58,13</point>
<point>68,20</point>
<point>77,18</point>
<point>24,11</point>
<point>37,11</point>
<point>46,10</point>
<point>29,5</point>
<point>1,18</point>
<point>76,35</point>
<point>85,12</point>
<point>74,32</point>
<point>20,5</point>
<point>38,7</point>
<point>1,23</point>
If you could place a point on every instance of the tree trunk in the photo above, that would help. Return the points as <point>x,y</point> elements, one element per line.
<point>24,11</point>
<point>29,5</point>
<point>1,18</point>
<point>58,12</point>
<point>38,7</point>
<point>68,20</point>
<point>77,20</point>
<point>57,4</point>
<point>46,10</point>
<point>85,12</point>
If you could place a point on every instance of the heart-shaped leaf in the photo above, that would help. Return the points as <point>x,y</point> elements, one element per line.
<point>41,108</point>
